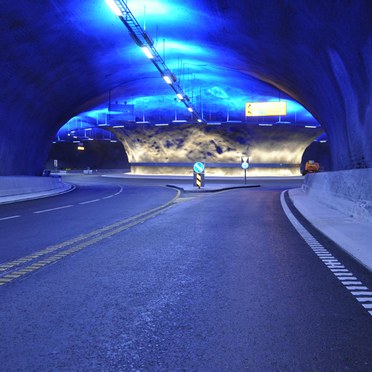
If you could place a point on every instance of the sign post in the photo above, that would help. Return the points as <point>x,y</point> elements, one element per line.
<point>199,174</point>
<point>245,165</point>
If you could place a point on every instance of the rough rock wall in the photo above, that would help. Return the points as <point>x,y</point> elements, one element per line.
<point>224,144</point>
<point>320,53</point>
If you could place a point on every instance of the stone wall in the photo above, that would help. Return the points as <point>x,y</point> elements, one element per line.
<point>275,150</point>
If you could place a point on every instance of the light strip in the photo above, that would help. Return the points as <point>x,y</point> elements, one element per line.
<point>114,7</point>
<point>167,79</point>
<point>147,52</point>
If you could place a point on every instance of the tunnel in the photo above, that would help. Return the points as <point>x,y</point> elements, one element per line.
<point>64,59</point>
<point>186,185</point>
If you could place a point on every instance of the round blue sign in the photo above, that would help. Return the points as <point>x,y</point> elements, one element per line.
<point>199,167</point>
<point>245,165</point>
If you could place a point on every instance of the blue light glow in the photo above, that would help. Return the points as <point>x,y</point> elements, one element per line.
<point>212,75</point>
<point>113,6</point>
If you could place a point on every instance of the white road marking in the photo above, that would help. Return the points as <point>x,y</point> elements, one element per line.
<point>364,299</point>
<point>340,270</point>
<point>53,209</point>
<point>90,201</point>
<point>9,218</point>
<point>111,196</point>
<point>350,282</point>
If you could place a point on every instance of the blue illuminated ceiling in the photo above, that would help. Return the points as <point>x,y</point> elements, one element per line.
<point>214,76</point>
<point>67,59</point>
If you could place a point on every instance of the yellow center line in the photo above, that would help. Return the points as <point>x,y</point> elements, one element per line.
<point>90,239</point>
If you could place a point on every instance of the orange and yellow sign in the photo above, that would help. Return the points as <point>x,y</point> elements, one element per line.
<point>266,108</point>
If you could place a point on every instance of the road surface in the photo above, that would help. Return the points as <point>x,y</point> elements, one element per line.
<point>121,275</point>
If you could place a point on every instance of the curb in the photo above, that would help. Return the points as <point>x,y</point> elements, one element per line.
<point>211,191</point>
<point>40,195</point>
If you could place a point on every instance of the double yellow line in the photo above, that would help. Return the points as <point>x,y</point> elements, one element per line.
<point>12,270</point>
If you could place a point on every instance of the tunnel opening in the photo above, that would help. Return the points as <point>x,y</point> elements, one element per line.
<point>78,147</point>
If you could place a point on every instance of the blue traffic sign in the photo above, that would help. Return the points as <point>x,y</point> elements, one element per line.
<point>245,165</point>
<point>199,167</point>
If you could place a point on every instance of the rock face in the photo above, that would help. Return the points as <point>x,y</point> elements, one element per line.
<point>59,58</point>
<point>274,150</point>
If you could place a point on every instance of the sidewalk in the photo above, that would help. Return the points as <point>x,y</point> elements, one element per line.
<point>352,235</point>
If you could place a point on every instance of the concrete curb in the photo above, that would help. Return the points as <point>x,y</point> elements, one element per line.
<point>39,195</point>
<point>211,190</point>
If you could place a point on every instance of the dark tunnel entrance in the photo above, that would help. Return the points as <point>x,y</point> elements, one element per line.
<point>90,154</point>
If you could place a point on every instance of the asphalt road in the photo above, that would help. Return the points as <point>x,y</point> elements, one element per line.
<point>116,276</point>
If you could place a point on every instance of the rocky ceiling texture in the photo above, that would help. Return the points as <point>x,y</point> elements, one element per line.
<point>62,57</point>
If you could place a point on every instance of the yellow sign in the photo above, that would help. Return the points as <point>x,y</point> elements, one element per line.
<point>266,108</point>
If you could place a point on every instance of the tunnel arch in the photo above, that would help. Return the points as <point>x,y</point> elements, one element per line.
<point>57,57</point>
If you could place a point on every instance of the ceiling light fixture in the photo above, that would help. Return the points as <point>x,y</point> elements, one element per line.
<point>167,79</point>
<point>114,7</point>
<point>145,42</point>
<point>147,52</point>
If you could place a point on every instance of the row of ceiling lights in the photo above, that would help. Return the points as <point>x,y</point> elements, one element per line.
<point>145,42</point>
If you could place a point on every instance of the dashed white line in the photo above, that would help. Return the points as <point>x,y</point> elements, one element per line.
<point>53,209</point>
<point>341,272</point>
<point>8,218</point>
<point>108,197</point>
<point>347,278</point>
<point>90,201</point>
<point>364,299</point>
<point>361,293</point>
<point>111,196</point>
